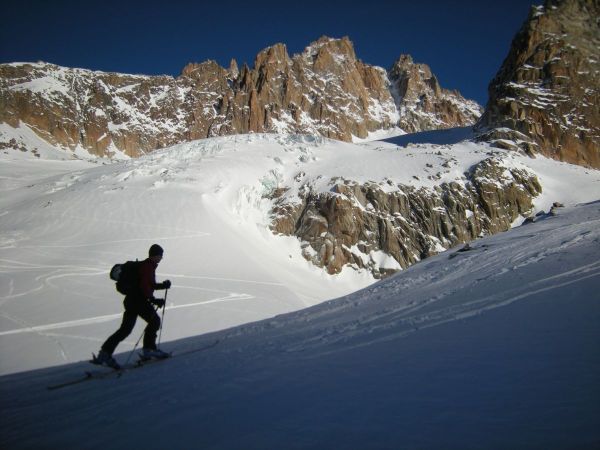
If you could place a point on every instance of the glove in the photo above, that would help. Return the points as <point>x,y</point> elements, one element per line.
<point>166,284</point>
<point>160,302</point>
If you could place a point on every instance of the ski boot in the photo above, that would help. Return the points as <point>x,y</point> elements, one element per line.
<point>105,359</point>
<point>153,353</point>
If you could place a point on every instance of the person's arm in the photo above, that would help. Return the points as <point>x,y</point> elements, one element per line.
<point>164,285</point>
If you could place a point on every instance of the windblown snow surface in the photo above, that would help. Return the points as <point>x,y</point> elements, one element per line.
<point>496,347</point>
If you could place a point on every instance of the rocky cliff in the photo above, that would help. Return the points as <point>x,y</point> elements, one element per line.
<point>423,104</point>
<point>545,96</point>
<point>325,91</point>
<point>386,227</point>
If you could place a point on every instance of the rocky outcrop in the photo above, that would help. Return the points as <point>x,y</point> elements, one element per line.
<point>423,104</point>
<point>384,228</point>
<point>326,90</point>
<point>100,112</point>
<point>545,96</point>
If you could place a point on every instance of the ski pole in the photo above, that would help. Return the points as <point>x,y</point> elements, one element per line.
<point>162,320</point>
<point>134,347</point>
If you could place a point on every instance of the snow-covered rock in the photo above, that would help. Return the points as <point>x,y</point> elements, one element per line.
<point>353,224</point>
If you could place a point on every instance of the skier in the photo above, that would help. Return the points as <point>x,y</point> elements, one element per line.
<point>139,303</point>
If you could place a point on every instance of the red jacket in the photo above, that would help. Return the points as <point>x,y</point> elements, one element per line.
<point>148,279</point>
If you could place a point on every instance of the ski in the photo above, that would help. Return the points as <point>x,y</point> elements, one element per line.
<point>199,349</point>
<point>101,374</point>
<point>144,361</point>
<point>98,375</point>
<point>87,376</point>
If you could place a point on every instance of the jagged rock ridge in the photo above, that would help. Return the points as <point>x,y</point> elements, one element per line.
<point>325,90</point>
<point>545,97</point>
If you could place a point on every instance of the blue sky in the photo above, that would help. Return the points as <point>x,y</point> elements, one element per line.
<point>464,42</point>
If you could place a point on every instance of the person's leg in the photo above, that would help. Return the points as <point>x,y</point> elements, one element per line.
<point>127,324</point>
<point>148,313</point>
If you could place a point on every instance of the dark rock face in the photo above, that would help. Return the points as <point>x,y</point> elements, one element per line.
<point>545,97</point>
<point>324,91</point>
<point>386,228</point>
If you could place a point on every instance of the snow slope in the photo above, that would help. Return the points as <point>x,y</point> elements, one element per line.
<point>495,348</point>
<point>64,223</point>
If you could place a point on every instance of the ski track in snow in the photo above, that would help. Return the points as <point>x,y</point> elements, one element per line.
<point>29,328</point>
<point>463,311</point>
<point>236,280</point>
<point>42,280</point>
<point>439,304</point>
<point>44,277</point>
<point>111,317</point>
<point>119,241</point>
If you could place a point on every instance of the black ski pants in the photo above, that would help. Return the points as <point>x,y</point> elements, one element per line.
<point>134,307</point>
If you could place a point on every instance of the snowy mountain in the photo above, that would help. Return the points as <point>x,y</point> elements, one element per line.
<point>495,347</point>
<point>213,205</point>
<point>326,293</point>
<point>325,90</point>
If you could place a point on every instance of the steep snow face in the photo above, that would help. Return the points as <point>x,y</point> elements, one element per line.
<point>65,223</point>
<point>495,347</point>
